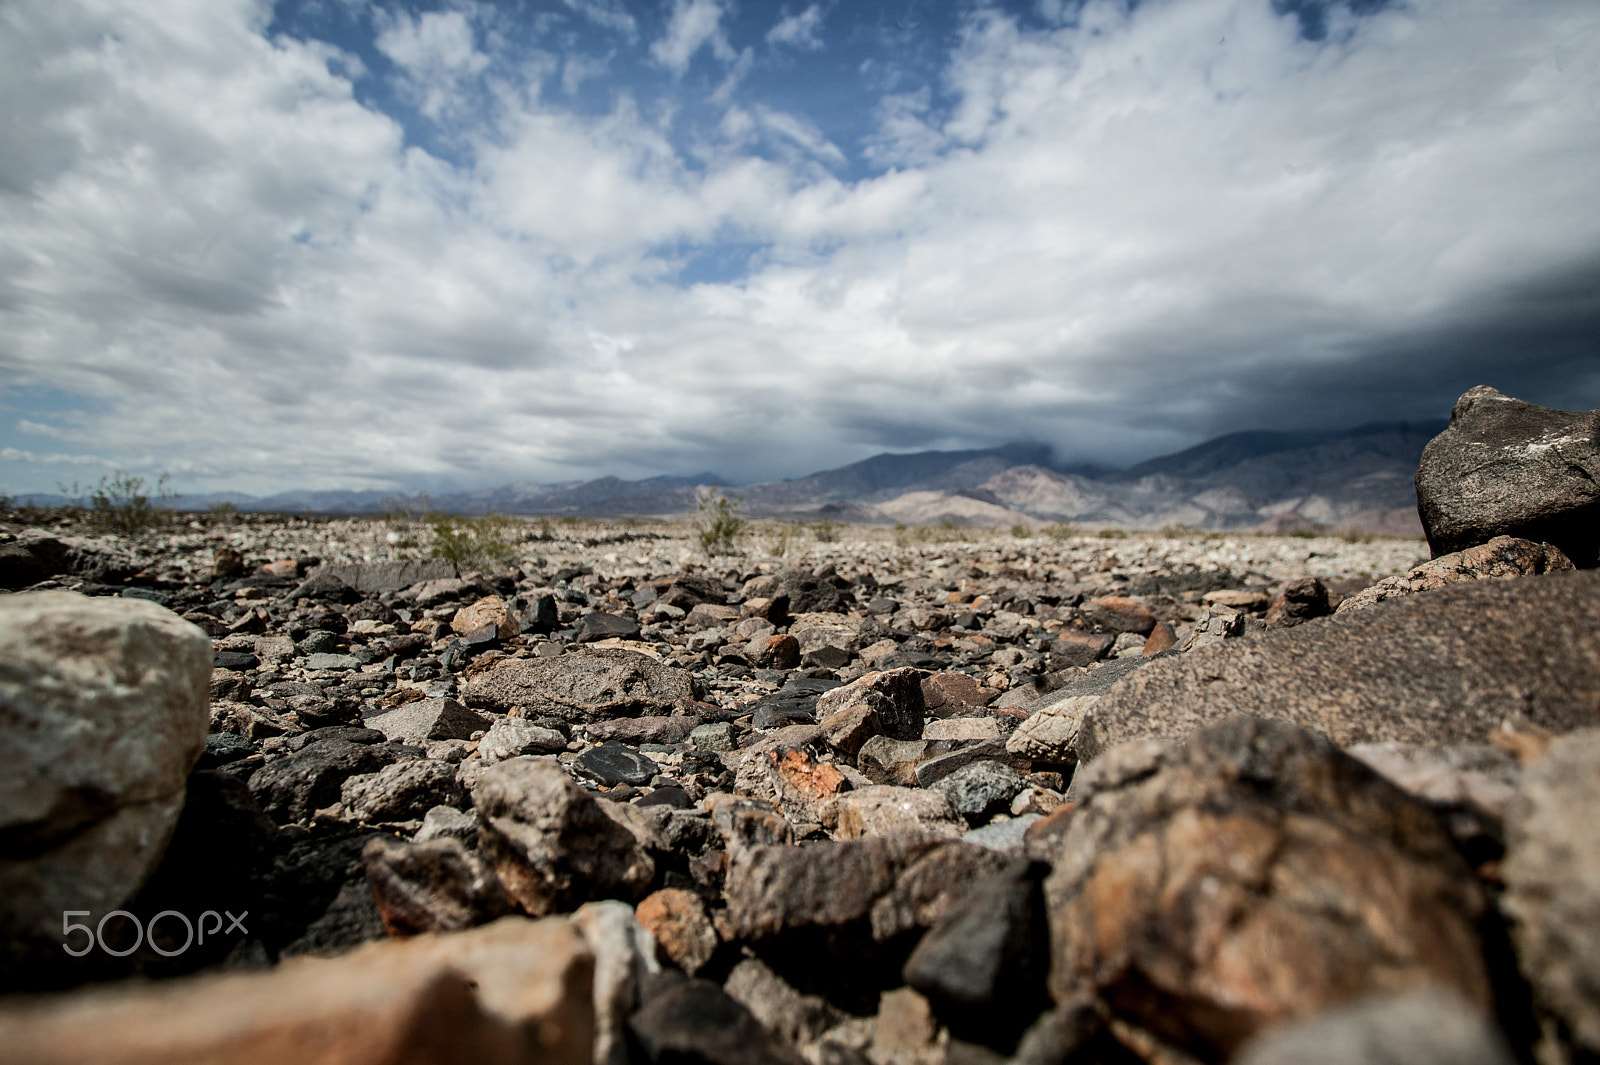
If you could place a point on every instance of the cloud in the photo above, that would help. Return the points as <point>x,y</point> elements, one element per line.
<point>802,31</point>
<point>11,454</point>
<point>1119,234</point>
<point>694,24</point>
<point>607,13</point>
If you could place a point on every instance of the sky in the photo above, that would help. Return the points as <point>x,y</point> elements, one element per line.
<point>327,244</point>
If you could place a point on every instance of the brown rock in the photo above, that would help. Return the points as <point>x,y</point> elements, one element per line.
<point>1074,648</point>
<point>847,728</point>
<point>438,886</point>
<point>490,610</point>
<point>678,920</point>
<point>710,616</point>
<point>583,685</point>
<point>550,842</point>
<point>1502,557</point>
<point>1238,599</point>
<point>944,694</point>
<point>1437,667</point>
<point>512,993</point>
<point>1254,875</point>
<point>800,783</point>
<point>1119,614</point>
<point>1300,600</point>
<point>637,730</point>
<point>887,761</point>
<point>749,822</point>
<point>779,651</point>
<point>1160,639</point>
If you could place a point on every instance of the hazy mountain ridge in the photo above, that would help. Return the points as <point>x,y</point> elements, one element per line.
<point>1361,478</point>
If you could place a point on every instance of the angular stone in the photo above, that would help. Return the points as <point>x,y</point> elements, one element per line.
<point>436,886</point>
<point>1426,1027</point>
<point>512,736</point>
<point>323,587</point>
<point>508,993</point>
<point>778,651</point>
<point>1240,599</point>
<point>894,695</point>
<point>603,626</point>
<point>418,722</point>
<point>373,578</point>
<point>333,662</point>
<point>102,715</point>
<point>552,845</point>
<point>1509,468</point>
<point>583,685</point>
<point>983,967</point>
<point>980,790</point>
<point>884,810</point>
<point>850,726</point>
<point>1300,601</point>
<point>932,770</point>
<point>793,779</point>
<point>795,1018</point>
<point>678,921</point>
<point>615,763</point>
<point>625,958</point>
<point>293,788</point>
<point>807,594</point>
<point>783,708</point>
<point>1436,667</point>
<point>1502,557</point>
<point>636,730</point>
<point>749,823</point>
<point>710,616</point>
<point>1161,638</point>
<point>687,1020</point>
<point>405,791</point>
<point>1119,614</point>
<point>962,728</point>
<point>713,736</point>
<point>1050,734</point>
<point>1192,890</point>
<point>945,694</point>
<point>1552,876</point>
<point>889,761</point>
<point>490,610</point>
<point>1072,648</point>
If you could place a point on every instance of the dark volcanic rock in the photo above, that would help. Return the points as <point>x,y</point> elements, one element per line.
<point>375,577</point>
<point>437,886</point>
<point>592,684</point>
<point>808,594</point>
<point>405,791</point>
<point>1299,601</point>
<point>1444,666</point>
<point>1505,467</point>
<point>602,626</point>
<point>551,843</point>
<point>1253,875</point>
<point>613,763</point>
<point>684,1021</point>
<point>294,788</point>
<point>980,790</point>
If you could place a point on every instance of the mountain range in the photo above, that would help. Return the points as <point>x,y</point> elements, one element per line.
<point>1357,479</point>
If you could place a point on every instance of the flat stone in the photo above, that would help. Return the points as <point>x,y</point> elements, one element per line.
<point>1436,667</point>
<point>613,763</point>
<point>962,728</point>
<point>418,722</point>
<point>584,685</point>
<point>511,737</point>
<point>332,661</point>
<point>603,626</point>
<point>1119,614</point>
<point>883,810</point>
<point>373,578</point>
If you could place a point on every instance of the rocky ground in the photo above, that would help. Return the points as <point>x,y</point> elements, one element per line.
<point>906,796</point>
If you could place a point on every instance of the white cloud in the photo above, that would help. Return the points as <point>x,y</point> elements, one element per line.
<point>1119,232</point>
<point>694,24</point>
<point>54,458</point>
<point>608,13</point>
<point>437,54</point>
<point>802,31</point>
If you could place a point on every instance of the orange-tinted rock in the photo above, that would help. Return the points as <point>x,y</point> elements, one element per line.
<point>1160,639</point>
<point>1119,614</point>
<point>682,929</point>
<point>490,610</point>
<point>1254,875</point>
<point>779,651</point>
<point>947,693</point>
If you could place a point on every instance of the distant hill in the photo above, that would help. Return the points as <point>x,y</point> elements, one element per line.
<point>1358,479</point>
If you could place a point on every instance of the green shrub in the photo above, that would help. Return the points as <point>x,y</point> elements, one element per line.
<point>719,524</point>
<point>1112,534</point>
<point>473,543</point>
<point>119,503</point>
<point>1021,531</point>
<point>826,530</point>
<point>1061,530</point>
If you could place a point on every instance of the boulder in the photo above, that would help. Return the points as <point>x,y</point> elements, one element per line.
<point>1504,556</point>
<point>1552,877</point>
<point>1251,876</point>
<point>513,992</point>
<point>103,712</point>
<point>584,685</point>
<point>1436,667</point>
<point>1509,468</point>
<point>549,841</point>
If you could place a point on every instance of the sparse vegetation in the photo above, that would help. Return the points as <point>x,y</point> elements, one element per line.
<point>719,524</point>
<point>472,543</point>
<point>1112,534</point>
<point>119,503</point>
<point>826,530</point>
<point>1061,530</point>
<point>1021,531</point>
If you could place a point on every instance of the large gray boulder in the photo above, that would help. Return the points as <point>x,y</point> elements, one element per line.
<point>583,686</point>
<point>103,711</point>
<point>1438,667</point>
<point>1505,467</point>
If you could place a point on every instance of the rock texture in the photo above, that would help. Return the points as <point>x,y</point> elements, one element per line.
<point>586,685</point>
<point>1502,557</point>
<point>1552,875</point>
<point>512,993</point>
<point>1509,468</point>
<point>1253,875</point>
<point>1437,667</point>
<point>102,715</point>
